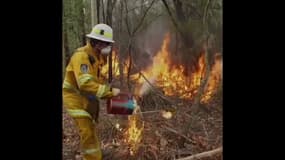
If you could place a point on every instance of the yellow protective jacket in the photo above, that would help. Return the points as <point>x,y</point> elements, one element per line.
<point>83,79</point>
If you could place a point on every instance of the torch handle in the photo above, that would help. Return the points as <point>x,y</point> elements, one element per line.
<point>110,66</point>
<point>110,76</point>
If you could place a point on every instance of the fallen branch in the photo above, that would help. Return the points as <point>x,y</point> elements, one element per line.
<point>154,89</point>
<point>203,155</point>
<point>172,130</point>
<point>155,111</point>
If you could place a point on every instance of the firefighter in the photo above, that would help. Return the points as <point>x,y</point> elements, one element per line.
<point>83,86</point>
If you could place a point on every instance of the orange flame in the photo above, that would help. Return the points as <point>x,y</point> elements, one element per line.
<point>213,81</point>
<point>115,66</point>
<point>172,80</point>
<point>134,133</point>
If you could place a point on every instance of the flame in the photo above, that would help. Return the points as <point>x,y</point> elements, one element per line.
<point>172,80</point>
<point>115,66</point>
<point>160,64</point>
<point>134,133</point>
<point>213,81</point>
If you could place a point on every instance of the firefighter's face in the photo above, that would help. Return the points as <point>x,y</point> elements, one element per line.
<point>99,45</point>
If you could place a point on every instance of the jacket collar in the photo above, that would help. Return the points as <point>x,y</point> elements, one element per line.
<point>90,51</point>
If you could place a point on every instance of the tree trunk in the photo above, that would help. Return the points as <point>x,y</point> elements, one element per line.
<point>204,81</point>
<point>63,59</point>
<point>82,21</point>
<point>65,45</point>
<point>98,10</point>
<point>110,7</point>
<point>179,11</point>
<point>120,48</point>
<point>103,12</point>
<point>93,14</point>
<point>180,25</point>
<point>130,63</point>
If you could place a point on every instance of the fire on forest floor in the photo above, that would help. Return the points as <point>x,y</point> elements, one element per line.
<point>163,137</point>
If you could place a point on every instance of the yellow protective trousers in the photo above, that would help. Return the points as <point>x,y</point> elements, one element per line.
<point>89,141</point>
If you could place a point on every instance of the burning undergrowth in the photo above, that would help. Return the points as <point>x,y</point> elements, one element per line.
<point>161,87</point>
<point>169,77</point>
<point>172,80</point>
<point>159,134</point>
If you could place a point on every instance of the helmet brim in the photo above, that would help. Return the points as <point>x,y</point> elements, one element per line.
<point>99,38</point>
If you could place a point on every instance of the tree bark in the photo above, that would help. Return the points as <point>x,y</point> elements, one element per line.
<point>93,13</point>
<point>120,48</point>
<point>180,25</point>
<point>197,99</point>
<point>98,11</point>
<point>130,63</point>
<point>204,80</point>
<point>110,7</point>
<point>103,12</point>
<point>179,10</point>
<point>63,58</point>
<point>82,21</point>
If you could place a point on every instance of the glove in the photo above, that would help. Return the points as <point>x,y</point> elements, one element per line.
<point>91,97</point>
<point>115,91</point>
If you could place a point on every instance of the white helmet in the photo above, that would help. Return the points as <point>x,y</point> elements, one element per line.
<point>102,32</point>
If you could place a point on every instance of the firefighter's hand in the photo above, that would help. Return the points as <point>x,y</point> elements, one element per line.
<point>115,91</point>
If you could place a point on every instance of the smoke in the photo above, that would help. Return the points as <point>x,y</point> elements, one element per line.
<point>146,87</point>
<point>149,41</point>
<point>147,44</point>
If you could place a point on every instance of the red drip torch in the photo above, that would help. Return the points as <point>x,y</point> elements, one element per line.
<point>122,104</point>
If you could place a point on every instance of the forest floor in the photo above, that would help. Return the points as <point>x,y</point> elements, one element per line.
<point>162,138</point>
